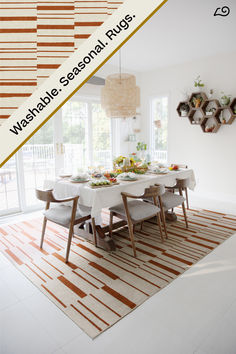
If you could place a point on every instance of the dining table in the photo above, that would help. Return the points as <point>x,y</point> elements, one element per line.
<point>93,200</point>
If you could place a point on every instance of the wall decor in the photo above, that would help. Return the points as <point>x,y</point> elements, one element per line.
<point>209,113</point>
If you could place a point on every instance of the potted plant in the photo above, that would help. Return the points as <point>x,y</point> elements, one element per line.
<point>198,83</point>
<point>141,148</point>
<point>184,109</point>
<point>210,111</point>
<point>225,99</point>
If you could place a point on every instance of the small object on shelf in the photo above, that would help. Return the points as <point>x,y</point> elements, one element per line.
<point>197,101</point>
<point>184,109</point>
<point>209,129</point>
<point>197,98</point>
<point>225,99</point>
<point>211,93</point>
<point>211,111</point>
<point>223,121</point>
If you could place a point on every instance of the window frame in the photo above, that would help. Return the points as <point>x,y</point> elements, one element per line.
<point>151,135</point>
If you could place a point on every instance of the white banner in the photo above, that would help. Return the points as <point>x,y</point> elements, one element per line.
<point>73,73</point>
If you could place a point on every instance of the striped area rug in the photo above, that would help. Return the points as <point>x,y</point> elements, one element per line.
<point>96,288</point>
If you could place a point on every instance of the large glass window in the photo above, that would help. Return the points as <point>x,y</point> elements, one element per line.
<point>86,135</point>
<point>77,137</point>
<point>38,162</point>
<point>159,124</point>
<point>101,139</point>
<point>9,200</point>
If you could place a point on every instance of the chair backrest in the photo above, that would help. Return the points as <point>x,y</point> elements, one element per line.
<point>46,196</point>
<point>182,182</point>
<point>154,191</point>
<point>179,164</point>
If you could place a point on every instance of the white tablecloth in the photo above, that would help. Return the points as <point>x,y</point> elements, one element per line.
<point>97,199</point>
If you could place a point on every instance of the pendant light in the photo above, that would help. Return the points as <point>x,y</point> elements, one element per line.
<point>120,96</point>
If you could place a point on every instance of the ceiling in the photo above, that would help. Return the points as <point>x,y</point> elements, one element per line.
<point>182,30</point>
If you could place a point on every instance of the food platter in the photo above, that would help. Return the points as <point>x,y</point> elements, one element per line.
<point>104,185</point>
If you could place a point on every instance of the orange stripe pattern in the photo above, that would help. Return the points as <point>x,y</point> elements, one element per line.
<point>96,288</point>
<point>36,37</point>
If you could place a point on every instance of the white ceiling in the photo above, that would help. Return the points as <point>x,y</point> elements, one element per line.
<point>182,30</point>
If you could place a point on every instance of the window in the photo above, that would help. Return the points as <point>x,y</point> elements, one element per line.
<point>37,160</point>
<point>86,135</point>
<point>9,201</point>
<point>158,129</point>
<point>78,137</point>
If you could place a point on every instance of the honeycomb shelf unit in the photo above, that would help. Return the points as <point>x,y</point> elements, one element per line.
<point>207,112</point>
<point>196,116</point>
<point>233,107</point>
<point>225,115</point>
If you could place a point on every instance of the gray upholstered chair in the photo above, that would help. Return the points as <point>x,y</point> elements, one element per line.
<point>137,211</point>
<point>183,184</point>
<point>169,200</point>
<point>67,216</point>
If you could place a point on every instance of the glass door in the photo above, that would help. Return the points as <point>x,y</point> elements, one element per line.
<point>86,135</point>
<point>37,163</point>
<point>78,136</point>
<point>9,196</point>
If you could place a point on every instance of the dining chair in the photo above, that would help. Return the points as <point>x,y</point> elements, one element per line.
<point>67,216</point>
<point>183,184</point>
<point>137,211</point>
<point>170,200</point>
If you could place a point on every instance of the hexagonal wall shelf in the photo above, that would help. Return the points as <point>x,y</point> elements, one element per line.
<point>233,106</point>
<point>225,115</point>
<point>196,116</point>
<point>210,107</point>
<point>210,124</point>
<point>197,99</point>
<point>208,113</point>
<point>183,108</point>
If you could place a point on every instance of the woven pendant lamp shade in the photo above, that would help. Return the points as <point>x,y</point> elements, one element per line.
<point>120,96</point>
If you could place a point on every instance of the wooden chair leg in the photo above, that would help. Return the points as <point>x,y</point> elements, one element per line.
<point>163,219</point>
<point>160,227</point>
<point>43,231</point>
<point>185,215</point>
<point>71,230</point>
<point>131,235</point>
<point>94,232</point>
<point>141,226</point>
<point>186,194</point>
<point>110,224</point>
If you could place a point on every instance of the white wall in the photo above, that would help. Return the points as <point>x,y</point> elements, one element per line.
<point>212,156</point>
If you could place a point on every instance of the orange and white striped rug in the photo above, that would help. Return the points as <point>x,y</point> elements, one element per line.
<point>96,288</point>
